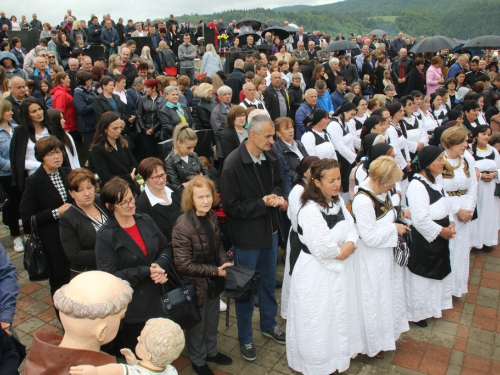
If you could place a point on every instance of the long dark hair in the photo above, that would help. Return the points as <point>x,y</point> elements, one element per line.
<point>26,122</point>
<point>55,119</point>
<point>100,136</point>
<point>311,191</point>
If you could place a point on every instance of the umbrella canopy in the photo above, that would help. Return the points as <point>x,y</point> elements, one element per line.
<point>277,31</point>
<point>485,41</point>
<point>434,44</point>
<point>243,38</point>
<point>255,23</point>
<point>341,45</point>
<point>378,32</point>
<point>273,23</point>
<point>291,29</point>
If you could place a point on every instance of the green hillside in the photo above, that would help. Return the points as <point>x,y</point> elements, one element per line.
<point>461,19</point>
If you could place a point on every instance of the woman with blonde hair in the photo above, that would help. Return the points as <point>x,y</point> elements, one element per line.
<point>182,162</point>
<point>166,58</point>
<point>77,31</point>
<point>210,62</point>
<point>206,105</point>
<point>387,79</point>
<point>260,87</point>
<point>146,57</point>
<point>379,279</point>
<point>115,64</point>
<point>216,83</point>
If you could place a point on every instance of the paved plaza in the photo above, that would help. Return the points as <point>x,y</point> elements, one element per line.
<point>465,341</point>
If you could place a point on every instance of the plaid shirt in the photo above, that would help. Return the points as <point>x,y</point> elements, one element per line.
<point>59,185</point>
<point>402,69</point>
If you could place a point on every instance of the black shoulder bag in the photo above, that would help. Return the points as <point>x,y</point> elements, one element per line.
<point>35,261</point>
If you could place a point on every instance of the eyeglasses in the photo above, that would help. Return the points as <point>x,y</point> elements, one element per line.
<point>125,204</point>
<point>53,153</point>
<point>51,57</point>
<point>159,177</point>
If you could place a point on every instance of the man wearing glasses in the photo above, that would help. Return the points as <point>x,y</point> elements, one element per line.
<point>52,46</point>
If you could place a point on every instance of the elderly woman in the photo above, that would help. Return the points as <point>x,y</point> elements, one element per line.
<point>488,204</point>
<point>206,105</point>
<point>200,258</point>
<point>110,155</point>
<point>160,201</point>
<point>148,117</point>
<point>18,50</point>
<point>427,280</point>
<point>218,119</point>
<point>46,198</point>
<point>146,57</point>
<point>316,140</point>
<point>79,225</point>
<point>328,237</point>
<point>282,54</point>
<point>63,100</point>
<point>173,113</point>
<point>210,62</point>
<point>182,162</point>
<point>130,246</point>
<point>34,126</point>
<point>378,277</point>
<point>235,132</point>
<point>76,32</point>
<point>166,57</point>
<point>434,76</point>
<point>459,181</point>
<point>11,211</point>
<point>343,138</point>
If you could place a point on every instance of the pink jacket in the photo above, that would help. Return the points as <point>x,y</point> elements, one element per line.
<point>432,78</point>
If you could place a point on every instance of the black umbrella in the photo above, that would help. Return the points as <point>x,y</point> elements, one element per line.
<point>255,23</point>
<point>378,32</point>
<point>485,41</point>
<point>273,23</point>
<point>434,44</point>
<point>291,29</point>
<point>341,45</point>
<point>277,31</point>
<point>243,38</point>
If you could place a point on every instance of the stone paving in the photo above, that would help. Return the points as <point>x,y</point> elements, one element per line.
<point>465,341</point>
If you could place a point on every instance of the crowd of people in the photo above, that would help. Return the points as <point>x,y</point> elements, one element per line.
<point>375,171</point>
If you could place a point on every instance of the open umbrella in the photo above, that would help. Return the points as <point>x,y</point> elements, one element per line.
<point>434,44</point>
<point>255,23</point>
<point>485,41</point>
<point>341,45</point>
<point>273,23</point>
<point>243,38</point>
<point>378,32</point>
<point>278,31</point>
<point>291,29</point>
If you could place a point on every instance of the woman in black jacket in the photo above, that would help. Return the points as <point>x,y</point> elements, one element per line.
<point>108,101</point>
<point>148,117</point>
<point>80,223</point>
<point>206,105</point>
<point>110,155</point>
<point>131,247</point>
<point>160,201</point>
<point>235,132</point>
<point>34,126</point>
<point>182,162</point>
<point>46,198</point>
<point>173,113</point>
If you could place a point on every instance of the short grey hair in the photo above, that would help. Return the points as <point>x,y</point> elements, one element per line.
<point>137,81</point>
<point>169,89</point>
<point>256,122</point>
<point>247,85</point>
<point>333,60</point>
<point>73,60</point>
<point>239,63</point>
<point>224,90</point>
<point>309,91</point>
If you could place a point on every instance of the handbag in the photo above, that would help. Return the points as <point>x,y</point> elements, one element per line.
<point>35,261</point>
<point>241,283</point>
<point>180,304</point>
<point>402,249</point>
<point>497,190</point>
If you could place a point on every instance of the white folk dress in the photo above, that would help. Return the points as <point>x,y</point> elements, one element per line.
<point>485,228</point>
<point>323,328</point>
<point>314,148</point>
<point>426,298</point>
<point>460,245</point>
<point>293,209</point>
<point>379,279</point>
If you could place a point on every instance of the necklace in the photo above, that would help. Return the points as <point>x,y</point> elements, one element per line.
<point>448,165</point>
<point>482,149</point>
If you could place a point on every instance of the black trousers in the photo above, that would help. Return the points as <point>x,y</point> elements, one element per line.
<point>10,211</point>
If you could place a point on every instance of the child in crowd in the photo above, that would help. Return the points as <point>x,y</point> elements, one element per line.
<point>367,88</point>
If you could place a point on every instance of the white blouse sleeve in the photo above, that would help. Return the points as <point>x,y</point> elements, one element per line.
<point>471,197</point>
<point>497,160</point>
<point>355,138</point>
<point>393,141</point>
<point>309,143</point>
<point>318,237</point>
<point>418,203</point>
<point>352,234</point>
<point>371,234</point>
<point>336,134</point>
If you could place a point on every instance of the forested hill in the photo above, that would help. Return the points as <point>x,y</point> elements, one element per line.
<point>461,19</point>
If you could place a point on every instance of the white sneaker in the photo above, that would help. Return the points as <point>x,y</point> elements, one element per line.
<point>223,306</point>
<point>18,245</point>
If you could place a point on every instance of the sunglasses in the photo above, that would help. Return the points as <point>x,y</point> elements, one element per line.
<point>51,57</point>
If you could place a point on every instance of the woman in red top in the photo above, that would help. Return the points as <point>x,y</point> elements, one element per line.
<point>62,100</point>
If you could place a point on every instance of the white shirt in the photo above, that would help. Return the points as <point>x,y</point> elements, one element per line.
<point>154,200</point>
<point>30,163</point>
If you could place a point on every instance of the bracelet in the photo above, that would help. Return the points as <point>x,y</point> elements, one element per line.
<point>480,175</point>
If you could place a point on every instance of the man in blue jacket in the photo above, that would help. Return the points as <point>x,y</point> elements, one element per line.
<point>324,100</point>
<point>110,38</point>
<point>305,109</point>
<point>338,95</point>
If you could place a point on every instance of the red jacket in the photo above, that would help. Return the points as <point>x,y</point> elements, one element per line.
<point>62,100</point>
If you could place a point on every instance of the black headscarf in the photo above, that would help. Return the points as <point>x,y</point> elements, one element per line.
<point>345,107</point>
<point>302,168</point>
<point>424,158</point>
<point>394,108</point>
<point>380,149</point>
<point>366,144</point>
<point>316,116</point>
<point>368,125</point>
<point>436,136</point>
<point>356,100</point>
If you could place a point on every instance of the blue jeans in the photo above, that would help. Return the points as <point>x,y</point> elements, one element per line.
<point>264,261</point>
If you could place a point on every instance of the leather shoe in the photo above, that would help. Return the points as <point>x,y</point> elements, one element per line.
<point>421,323</point>
<point>220,359</point>
<point>202,370</point>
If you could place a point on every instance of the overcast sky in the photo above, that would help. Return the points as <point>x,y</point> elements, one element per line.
<point>53,11</point>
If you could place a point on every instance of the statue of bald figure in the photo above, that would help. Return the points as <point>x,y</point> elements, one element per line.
<point>91,307</point>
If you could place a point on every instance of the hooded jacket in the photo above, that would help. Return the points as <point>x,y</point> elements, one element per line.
<point>83,100</point>
<point>62,100</point>
<point>17,72</point>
